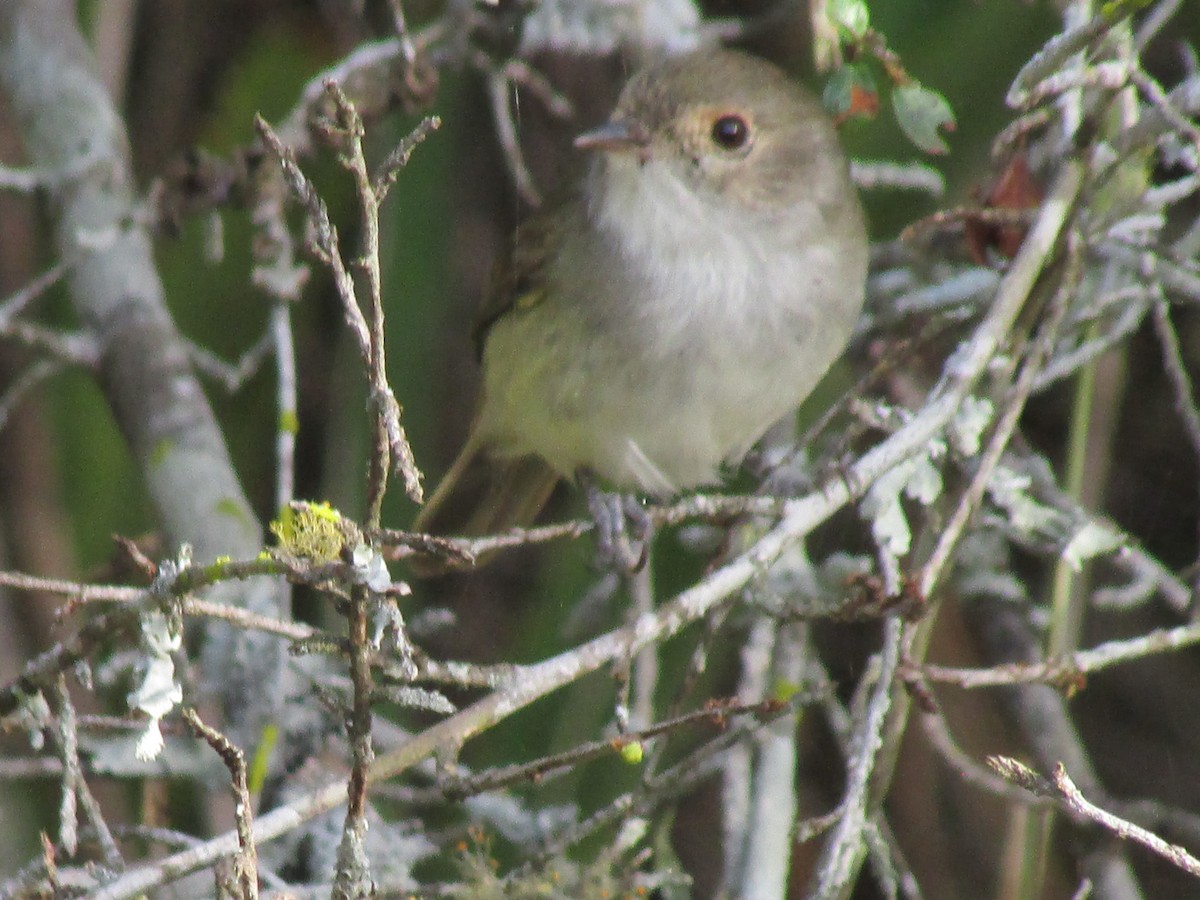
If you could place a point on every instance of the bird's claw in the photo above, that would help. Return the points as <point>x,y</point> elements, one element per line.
<point>623,529</point>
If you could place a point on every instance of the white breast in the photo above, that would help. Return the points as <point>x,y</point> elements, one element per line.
<point>716,331</point>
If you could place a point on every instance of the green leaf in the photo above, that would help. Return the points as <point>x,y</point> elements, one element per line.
<point>923,116</point>
<point>289,422</point>
<point>783,690</point>
<point>1118,9</point>
<point>846,89</point>
<point>852,17</point>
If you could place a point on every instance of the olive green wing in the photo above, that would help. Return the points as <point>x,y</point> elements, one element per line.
<point>520,275</point>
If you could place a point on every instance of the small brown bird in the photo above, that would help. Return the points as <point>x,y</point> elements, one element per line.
<point>689,292</point>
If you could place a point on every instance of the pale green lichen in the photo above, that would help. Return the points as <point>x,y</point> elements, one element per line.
<point>312,531</point>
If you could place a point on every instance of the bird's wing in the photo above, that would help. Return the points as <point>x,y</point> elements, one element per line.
<point>519,276</point>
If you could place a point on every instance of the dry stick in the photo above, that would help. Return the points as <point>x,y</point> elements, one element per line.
<point>76,347</point>
<point>844,852</point>
<point>353,867</point>
<point>394,447</point>
<point>246,862</point>
<point>937,732</point>
<point>767,842</point>
<point>719,717</point>
<point>68,746</point>
<point>408,49</point>
<point>932,571</point>
<point>391,441</point>
<point>885,855</point>
<point>40,371</point>
<point>15,302</point>
<point>400,544</point>
<point>737,775</point>
<point>506,132</point>
<point>325,244</point>
<point>1071,668</point>
<point>39,673</point>
<point>231,375</point>
<point>391,444</point>
<point>74,781</point>
<point>1154,22</point>
<point>277,272</point>
<point>286,405</point>
<point>1129,555</point>
<point>697,766</point>
<point>1063,788</point>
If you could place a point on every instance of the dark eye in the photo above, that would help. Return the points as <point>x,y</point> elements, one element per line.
<point>730,132</point>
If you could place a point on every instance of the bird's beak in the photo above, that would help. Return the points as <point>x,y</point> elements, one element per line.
<point>617,136</point>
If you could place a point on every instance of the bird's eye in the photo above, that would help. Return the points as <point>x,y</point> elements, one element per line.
<point>730,132</point>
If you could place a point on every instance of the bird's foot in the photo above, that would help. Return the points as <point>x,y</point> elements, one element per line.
<point>623,528</point>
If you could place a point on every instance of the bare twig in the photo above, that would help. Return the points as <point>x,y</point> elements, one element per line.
<point>391,444</point>
<point>998,442</point>
<point>408,49</point>
<point>232,376</point>
<point>498,87</point>
<point>28,380</point>
<point>1070,669</point>
<point>846,847</point>
<point>1064,789</point>
<point>16,302</point>
<point>880,175</point>
<point>76,348</point>
<point>246,861</point>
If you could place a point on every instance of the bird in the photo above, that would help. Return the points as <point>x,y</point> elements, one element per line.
<point>685,294</point>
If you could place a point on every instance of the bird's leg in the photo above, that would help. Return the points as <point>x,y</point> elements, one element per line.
<point>623,528</point>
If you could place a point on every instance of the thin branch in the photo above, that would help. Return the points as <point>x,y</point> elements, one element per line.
<point>1063,788</point>
<point>408,49</point>
<point>24,181</point>
<point>391,443</point>
<point>1068,671</point>
<point>846,848</point>
<point>231,375</point>
<point>29,379</point>
<point>286,404</point>
<point>16,302</point>
<point>952,532</point>
<point>873,175</point>
<point>72,347</point>
<point>246,861</point>
<point>498,87</point>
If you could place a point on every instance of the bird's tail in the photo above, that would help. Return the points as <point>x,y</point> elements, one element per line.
<point>481,496</point>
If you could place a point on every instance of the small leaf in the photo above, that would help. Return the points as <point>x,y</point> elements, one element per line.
<point>852,17</point>
<point>1118,9</point>
<point>923,114</point>
<point>851,91</point>
<point>783,690</point>
<point>1093,539</point>
<point>1016,189</point>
